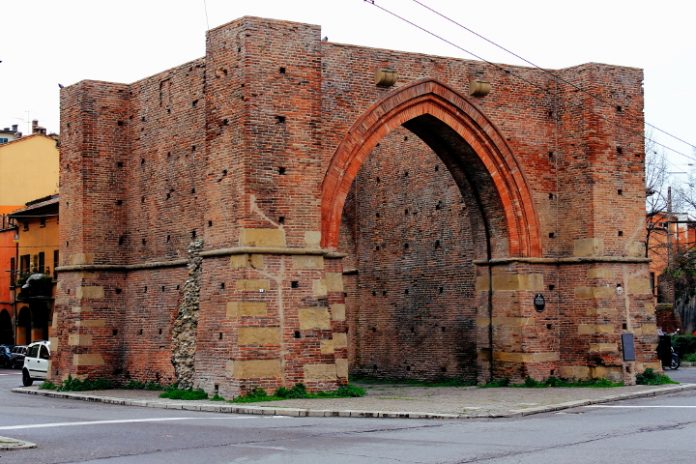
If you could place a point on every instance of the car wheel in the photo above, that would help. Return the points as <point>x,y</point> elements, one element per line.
<point>26,378</point>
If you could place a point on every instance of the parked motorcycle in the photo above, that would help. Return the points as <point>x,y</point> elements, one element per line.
<point>665,351</point>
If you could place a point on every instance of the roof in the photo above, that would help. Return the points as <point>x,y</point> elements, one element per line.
<point>24,138</point>
<point>46,206</point>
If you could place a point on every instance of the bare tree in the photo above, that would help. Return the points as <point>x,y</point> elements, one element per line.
<point>658,201</point>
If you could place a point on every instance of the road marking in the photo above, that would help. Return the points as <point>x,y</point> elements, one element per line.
<point>110,422</point>
<point>12,373</point>
<point>664,406</point>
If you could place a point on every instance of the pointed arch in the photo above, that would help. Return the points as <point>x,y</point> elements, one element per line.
<point>429,97</point>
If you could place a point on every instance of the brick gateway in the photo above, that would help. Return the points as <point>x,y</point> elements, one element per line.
<point>268,215</point>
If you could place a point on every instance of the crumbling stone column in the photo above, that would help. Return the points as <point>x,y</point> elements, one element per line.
<point>184,332</point>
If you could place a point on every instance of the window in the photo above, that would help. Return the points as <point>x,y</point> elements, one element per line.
<point>4,140</point>
<point>42,222</point>
<point>25,226</point>
<point>42,262</point>
<point>32,351</point>
<point>24,263</point>
<point>13,272</point>
<point>652,283</point>
<point>43,354</point>
<point>55,264</point>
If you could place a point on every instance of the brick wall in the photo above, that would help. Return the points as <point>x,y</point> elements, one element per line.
<point>255,148</point>
<point>413,311</point>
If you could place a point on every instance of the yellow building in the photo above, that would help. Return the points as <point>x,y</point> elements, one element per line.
<point>28,170</point>
<point>37,257</point>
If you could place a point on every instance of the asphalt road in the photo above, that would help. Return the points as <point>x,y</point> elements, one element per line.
<point>659,429</point>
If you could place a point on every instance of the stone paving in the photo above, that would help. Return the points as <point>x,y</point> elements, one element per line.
<point>394,401</point>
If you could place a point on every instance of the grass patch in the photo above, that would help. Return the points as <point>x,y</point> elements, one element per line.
<point>413,382</point>
<point>137,385</point>
<point>650,377</point>
<point>496,383</point>
<point>299,391</point>
<point>189,394</point>
<point>217,397</point>
<point>73,384</point>
<point>557,382</point>
<point>257,394</point>
<point>554,382</point>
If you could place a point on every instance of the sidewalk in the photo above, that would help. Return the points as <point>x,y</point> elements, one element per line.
<point>393,401</point>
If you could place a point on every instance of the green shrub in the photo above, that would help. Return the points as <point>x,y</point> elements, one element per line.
<point>554,382</point>
<point>48,385</point>
<point>444,382</point>
<point>217,397</point>
<point>257,394</point>
<point>496,383</point>
<point>73,384</point>
<point>691,357</point>
<point>299,391</point>
<point>350,391</point>
<point>650,377</point>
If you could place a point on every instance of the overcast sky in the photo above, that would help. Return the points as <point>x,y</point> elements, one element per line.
<point>46,42</point>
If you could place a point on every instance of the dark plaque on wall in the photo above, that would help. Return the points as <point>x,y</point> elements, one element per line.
<point>629,349</point>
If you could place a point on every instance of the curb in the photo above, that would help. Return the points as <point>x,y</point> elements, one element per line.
<point>302,412</point>
<point>608,399</point>
<point>7,444</point>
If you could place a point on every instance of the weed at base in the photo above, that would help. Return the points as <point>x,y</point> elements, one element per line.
<point>73,384</point>
<point>650,377</point>
<point>413,382</point>
<point>137,385</point>
<point>189,394</point>
<point>554,382</point>
<point>299,391</point>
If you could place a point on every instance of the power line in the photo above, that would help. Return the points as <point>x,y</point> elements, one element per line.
<point>554,75</point>
<point>205,9</point>
<point>449,42</point>
<point>507,71</point>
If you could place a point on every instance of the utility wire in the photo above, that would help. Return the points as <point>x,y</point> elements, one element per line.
<point>449,42</point>
<point>554,75</point>
<point>507,71</point>
<point>205,9</point>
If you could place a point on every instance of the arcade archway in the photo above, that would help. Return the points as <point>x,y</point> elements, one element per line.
<point>422,186</point>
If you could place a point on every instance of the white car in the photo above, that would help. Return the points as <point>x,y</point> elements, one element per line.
<point>36,362</point>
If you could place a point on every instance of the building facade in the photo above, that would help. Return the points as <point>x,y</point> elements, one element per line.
<point>8,246</point>
<point>28,170</point>
<point>37,257</point>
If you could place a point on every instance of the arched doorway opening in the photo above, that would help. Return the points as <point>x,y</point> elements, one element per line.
<point>423,186</point>
<point>6,332</point>
<point>24,326</point>
<point>40,315</point>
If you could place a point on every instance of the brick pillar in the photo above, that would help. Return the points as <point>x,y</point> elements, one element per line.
<point>610,299</point>
<point>95,140</point>
<point>281,323</point>
<point>271,325</point>
<point>524,339</point>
